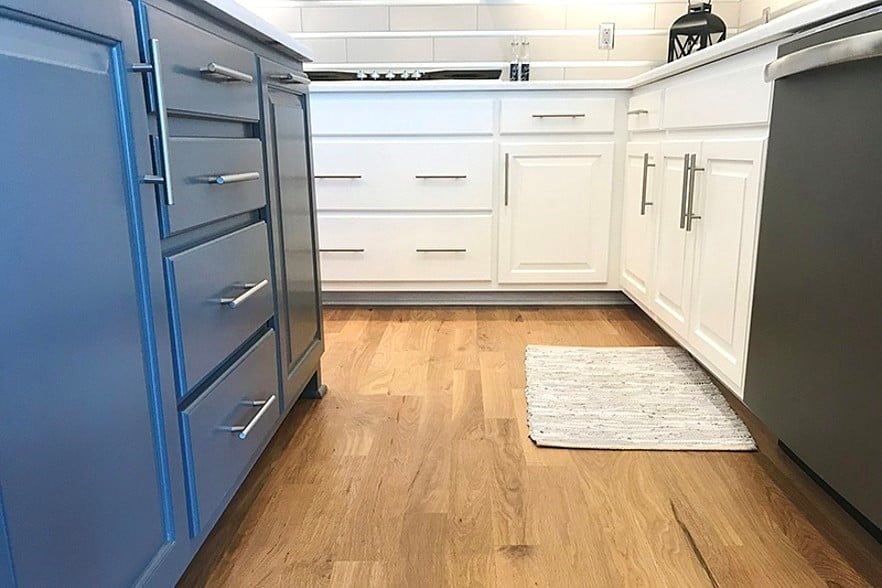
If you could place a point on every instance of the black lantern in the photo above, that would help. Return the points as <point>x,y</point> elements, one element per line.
<point>695,30</point>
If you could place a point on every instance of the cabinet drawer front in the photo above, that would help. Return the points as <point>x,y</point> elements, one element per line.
<point>216,454</point>
<point>558,115</point>
<point>400,115</point>
<point>644,112</point>
<point>411,248</point>
<point>206,280</point>
<point>403,175</point>
<point>186,51</point>
<point>214,178</point>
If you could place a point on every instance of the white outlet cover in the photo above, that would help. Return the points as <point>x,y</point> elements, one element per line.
<point>606,35</point>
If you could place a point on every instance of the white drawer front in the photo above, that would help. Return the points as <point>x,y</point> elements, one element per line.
<point>405,248</point>
<point>644,112</point>
<point>732,94</point>
<point>403,175</point>
<point>556,115</point>
<point>360,114</point>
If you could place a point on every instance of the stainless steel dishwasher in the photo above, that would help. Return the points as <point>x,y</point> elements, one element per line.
<point>814,368</point>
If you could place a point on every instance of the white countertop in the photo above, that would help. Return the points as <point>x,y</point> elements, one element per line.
<point>798,20</point>
<point>240,17</point>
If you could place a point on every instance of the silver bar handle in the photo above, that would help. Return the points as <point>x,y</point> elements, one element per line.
<point>234,178</point>
<point>646,166</point>
<point>155,66</point>
<point>686,160</point>
<point>252,289</point>
<point>341,250</point>
<point>507,158</point>
<point>691,198</point>
<point>559,115</point>
<point>638,112</point>
<point>339,177</point>
<point>419,250</point>
<point>226,74</point>
<point>854,48</point>
<point>431,177</point>
<point>290,78</point>
<point>244,430</point>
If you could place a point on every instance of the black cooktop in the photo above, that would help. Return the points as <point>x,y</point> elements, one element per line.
<point>404,76</point>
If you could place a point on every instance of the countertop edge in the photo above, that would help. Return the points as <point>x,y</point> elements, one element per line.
<point>238,16</point>
<point>798,20</point>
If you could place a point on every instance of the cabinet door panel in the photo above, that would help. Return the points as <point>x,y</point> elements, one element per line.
<point>727,200</point>
<point>673,245</point>
<point>89,449</point>
<point>639,219</point>
<point>294,209</point>
<point>554,225</point>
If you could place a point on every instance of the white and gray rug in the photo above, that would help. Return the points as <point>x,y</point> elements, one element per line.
<point>627,398</point>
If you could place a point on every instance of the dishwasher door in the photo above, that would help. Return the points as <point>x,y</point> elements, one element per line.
<point>814,368</point>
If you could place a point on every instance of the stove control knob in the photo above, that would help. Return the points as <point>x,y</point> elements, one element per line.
<point>361,75</point>
<point>405,75</point>
<point>374,75</point>
<point>416,75</point>
<point>390,75</point>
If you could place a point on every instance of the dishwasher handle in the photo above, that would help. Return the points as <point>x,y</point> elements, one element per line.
<point>855,48</point>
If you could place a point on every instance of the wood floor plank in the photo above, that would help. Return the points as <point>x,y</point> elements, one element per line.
<point>416,470</point>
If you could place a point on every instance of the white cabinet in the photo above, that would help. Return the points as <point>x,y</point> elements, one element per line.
<point>672,275</point>
<point>555,214</point>
<point>727,200</point>
<point>639,218</point>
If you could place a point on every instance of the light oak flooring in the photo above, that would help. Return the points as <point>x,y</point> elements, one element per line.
<point>416,470</point>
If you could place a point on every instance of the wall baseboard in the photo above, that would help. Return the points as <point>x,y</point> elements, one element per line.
<point>474,299</point>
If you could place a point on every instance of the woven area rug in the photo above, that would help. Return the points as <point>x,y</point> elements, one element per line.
<point>627,398</point>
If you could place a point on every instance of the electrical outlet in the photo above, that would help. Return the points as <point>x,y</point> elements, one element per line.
<point>767,14</point>
<point>606,36</point>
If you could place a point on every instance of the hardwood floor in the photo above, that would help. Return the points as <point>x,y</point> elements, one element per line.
<point>416,470</point>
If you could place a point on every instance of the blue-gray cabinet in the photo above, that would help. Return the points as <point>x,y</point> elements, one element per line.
<point>157,242</point>
<point>90,462</point>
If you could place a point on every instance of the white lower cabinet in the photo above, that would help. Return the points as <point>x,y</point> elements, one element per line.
<point>727,200</point>
<point>672,267</point>
<point>704,220</point>
<point>554,220</point>
<point>639,218</point>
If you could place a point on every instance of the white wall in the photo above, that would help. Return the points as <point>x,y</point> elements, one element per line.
<point>414,34</point>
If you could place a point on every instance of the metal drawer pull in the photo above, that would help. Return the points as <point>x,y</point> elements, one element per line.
<point>430,177</point>
<point>559,115</point>
<point>233,178</point>
<point>507,158</point>
<point>155,67</point>
<point>339,177</point>
<point>442,250</point>
<point>252,289</point>
<point>685,191</point>
<point>341,250</point>
<point>855,48</point>
<point>290,78</point>
<point>646,166</point>
<point>243,430</point>
<point>638,112</point>
<point>689,207</point>
<point>226,74</point>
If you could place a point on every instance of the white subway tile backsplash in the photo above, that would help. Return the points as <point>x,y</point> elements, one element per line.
<point>583,48</point>
<point>522,17</point>
<point>640,48</point>
<point>345,19</point>
<point>327,50</point>
<point>389,50</point>
<point>286,18</point>
<point>472,49</point>
<point>433,18</point>
<point>588,15</point>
